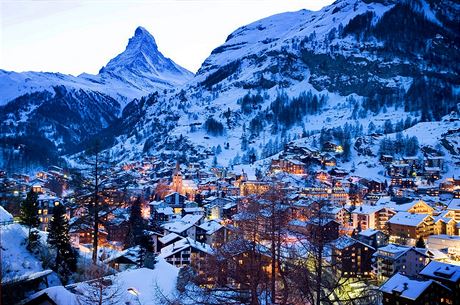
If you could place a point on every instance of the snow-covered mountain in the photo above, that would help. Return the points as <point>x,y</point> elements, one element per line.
<point>139,70</point>
<point>53,113</point>
<point>290,75</point>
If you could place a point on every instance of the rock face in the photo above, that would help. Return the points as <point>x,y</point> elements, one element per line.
<point>142,59</point>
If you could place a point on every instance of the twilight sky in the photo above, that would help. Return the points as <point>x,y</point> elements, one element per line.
<point>72,37</point>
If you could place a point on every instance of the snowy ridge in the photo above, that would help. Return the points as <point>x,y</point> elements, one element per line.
<point>140,70</point>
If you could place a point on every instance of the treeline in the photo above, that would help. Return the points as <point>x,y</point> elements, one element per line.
<point>214,127</point>
<point>283,112</point>
<point>407,146</point>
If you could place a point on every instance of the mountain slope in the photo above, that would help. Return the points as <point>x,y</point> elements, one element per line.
<point>292,74</point>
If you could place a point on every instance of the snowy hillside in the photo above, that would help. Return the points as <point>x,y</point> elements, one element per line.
<point>293,74</point>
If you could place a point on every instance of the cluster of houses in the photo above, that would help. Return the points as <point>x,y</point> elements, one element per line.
<point>393,230</point>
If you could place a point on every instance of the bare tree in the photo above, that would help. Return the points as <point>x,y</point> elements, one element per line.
<point>100,289</point>
<point>92,185</point>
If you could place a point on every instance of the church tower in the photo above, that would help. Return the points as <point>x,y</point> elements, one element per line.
<point>177,179</point>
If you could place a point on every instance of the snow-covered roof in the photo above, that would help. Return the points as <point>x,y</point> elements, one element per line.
<point>405,287</point>
<point>454,204</point>
<point>5,216</point>
<point>182,245</point>
<point>165,210</point>
<point>408,219</point>
<point>345,241</point>
<point>183,224</point>
<point>211,226</point>
<point>367,209</point>
<point>442,271</point>
<point>168,238</point>
<point>393,249</point>
<point>369,232</point>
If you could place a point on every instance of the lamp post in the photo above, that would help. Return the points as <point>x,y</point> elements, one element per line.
<point>135,293</point>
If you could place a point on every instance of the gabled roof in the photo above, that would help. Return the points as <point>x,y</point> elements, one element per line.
<point>408,219</point>
<point>454,204</point>
<point>442,271</point>
<point>405,287</point>
<point>211,226</point>
<point>369,232</point>
<point>345,241</point>
<point>168,238</point>
<point>183,224</point>
<point>183,244</point>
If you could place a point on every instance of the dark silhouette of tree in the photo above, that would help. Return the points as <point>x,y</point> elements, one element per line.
<point>59,239</point>
<point>29,216</point>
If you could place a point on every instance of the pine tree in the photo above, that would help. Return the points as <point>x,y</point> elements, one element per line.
<point>136,224</point>
<point>59,239</point>
<point>29,215</point>
<point>420,243</point>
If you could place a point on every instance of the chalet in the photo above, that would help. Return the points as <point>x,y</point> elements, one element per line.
<point>186,252</point>
<point>126,259</point>
<point>328,160</point>
<point>433,173</point>
<point>332,147</point>
<point>434,161</point>
<point>386,159</point>
<point>415,207</point>
<point>336,195</point>
<point>405,183</point>
<point>185,227</point>
<point>288,165</point>
<point>212,233</point>
<point>240,256</point>
<point>351,257</point>
<point>445,225</point>
<point>338,173</point>
<point>160,213</point>
<point>81,232</point>
<point>176,201</point>
<point>370,216</point>
<point>404,290</point>
<point>324,229</point>
<point>220,208</point>
<point>167,240</point>
<point>399,170</point>
<point>394,258</point>
<point>373,238</point>
<point>414,162</point>
<point>428,190</point>
<point>117,229</point>
<point>340,214</point>
<point>304,208</point>
<point>374,185</point>
<point>454,206</point>
<point>193,209</point>
<point>46,204</point>
<point>405,225</point>
<point>254,187</point>
<point>446,274</point>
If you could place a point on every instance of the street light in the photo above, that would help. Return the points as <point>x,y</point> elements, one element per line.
<point>135,293</point>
